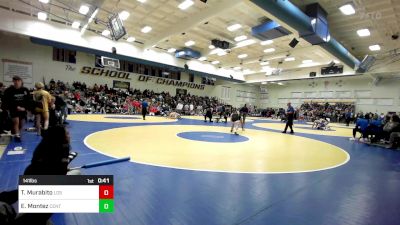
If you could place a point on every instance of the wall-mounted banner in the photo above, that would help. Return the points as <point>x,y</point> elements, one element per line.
<point>121,84</point>
<point>106,73</point>
<point>17,68</point>
<point>165,81</point>
<point>96,71</point>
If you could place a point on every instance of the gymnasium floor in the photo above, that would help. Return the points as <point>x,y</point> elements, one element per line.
<point>191,172</point>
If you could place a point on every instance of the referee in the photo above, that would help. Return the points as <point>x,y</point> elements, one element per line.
<point>145,106</point>
<point>243,114</point>
<point>289,118</point>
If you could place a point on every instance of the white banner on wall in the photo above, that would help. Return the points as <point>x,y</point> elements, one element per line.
<point>385,101</point>
<point>297,94</point>
<point>343,94</point>
<point>17,68</point>
<point>363,94</point>
<point>327,94</point>
<point>365,101</point>
<point>312,94</point>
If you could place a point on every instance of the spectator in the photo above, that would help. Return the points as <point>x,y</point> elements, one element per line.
<point>347,117</point>
<point>16,101</point>
<point>391,126</point>
<point>61,107</point>
<point>51,157</point>
<point>375,128</point>
<point>3,114</point>
<point>361,126</point>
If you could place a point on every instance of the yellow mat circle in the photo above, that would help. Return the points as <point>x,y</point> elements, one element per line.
<point>114,118</point>
<point>306,128</point>
<point>264,152</point>
<point>202,118</point>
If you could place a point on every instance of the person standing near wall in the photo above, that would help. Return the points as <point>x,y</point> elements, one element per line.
<point>3,116</point>
<point>347,117</point>
<point>243,113</point>
<point>145,107</point>
<point>16,101</point>
<point>289,118</point>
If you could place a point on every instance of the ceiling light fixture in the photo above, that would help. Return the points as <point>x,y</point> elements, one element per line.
<point>264,63</point>
<point>124,15</point>
<point>289,59</point>
<point>42,15</point>
<point>105,33</point>
<point>237,68</point>
<point>266,68</point>
<point>76,25</point>
<point>242,56</point>
<point>248,71</point>
<point>269,50</point>
<point>130,39</point>
<point>171,50</point>
<point>221,53</point>
<point>374,47</point>
<point>240,38</point>
<point>215,51</point>
<point>44,1</point>
<point>190,43</point>
<point>307,61</point>
<point>267,42</point>
<point>234,27</point>
<point>84,9</point>
<point>347,9</point>
<point>363,33</point>
<point>146,29</point>
<point>203,58</point>
<point>211,46</point>
<point>245,43</point>
<point>215,62</point>
<point>185,4</point>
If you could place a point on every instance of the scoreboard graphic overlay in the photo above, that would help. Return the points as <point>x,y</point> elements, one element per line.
<point>66,194</point>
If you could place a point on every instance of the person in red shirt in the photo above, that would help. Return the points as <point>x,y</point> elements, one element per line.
<point>136,105</point>
<point>77,96</point>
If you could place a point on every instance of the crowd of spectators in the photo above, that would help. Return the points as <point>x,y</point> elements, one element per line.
<point>336,112</point>
<point>78,97</point>
<point>378,129</point>
<point>101,99</point>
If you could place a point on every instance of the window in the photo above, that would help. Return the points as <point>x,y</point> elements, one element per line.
<point>225,93</point>
<point>191,77</point>
<point>175,75</point>
<point>64,55</point>
<point>138,68</point>
<point>208,81</point>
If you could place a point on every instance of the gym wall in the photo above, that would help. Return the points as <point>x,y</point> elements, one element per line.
<point>369,96</point>
<point>19,48</point>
